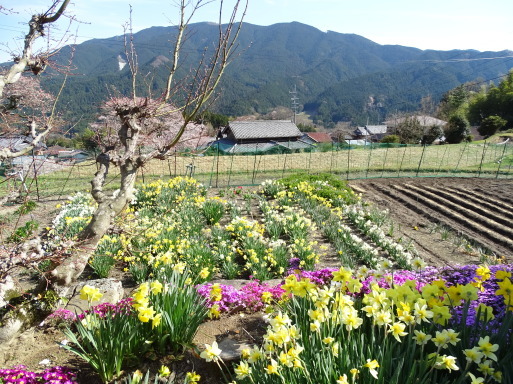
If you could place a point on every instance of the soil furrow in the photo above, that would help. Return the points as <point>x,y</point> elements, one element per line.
<point>464,223</point>
<point>469,214</point>
<point>489,202</point>
<point>486,197</point>
<point>506,198</point>
<point>493,215</point>
<point>423,244</point>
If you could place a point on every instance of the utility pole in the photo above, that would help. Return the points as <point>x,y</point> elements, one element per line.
<point>295,104</point>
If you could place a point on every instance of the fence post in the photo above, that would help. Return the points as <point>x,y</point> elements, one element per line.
<point>175,164</point>
<point>500,161</point>
<point>442,161</point>
<point>212,171</point>
<point>384,162</point>
<point>348,161</point>
<point>368,161</point>
<point>331,160</point>
<point>284,163</point>
<point>310,161</point>
<point>459,160</point>
<point>35,174</point>
<point>217,165</point>
<point>420,161</point>
<point>230,172</point>
<point>482,159</point>
<point>254,165</point>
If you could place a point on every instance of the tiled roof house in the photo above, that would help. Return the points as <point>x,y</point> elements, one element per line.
<point>260,136</point>
<point>371,131</point>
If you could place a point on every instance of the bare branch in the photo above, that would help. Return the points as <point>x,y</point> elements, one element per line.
<point>27,60</point>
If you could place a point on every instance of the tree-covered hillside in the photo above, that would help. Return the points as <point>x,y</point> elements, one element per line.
<point>339,77</point>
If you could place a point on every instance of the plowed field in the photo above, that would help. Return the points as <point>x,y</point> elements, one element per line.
<point>435,214</point>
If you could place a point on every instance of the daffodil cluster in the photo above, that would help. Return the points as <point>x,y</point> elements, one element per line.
<point>72,218</point>
<point>331,204</point>
<point>141,302</point>
<point>338,333</point>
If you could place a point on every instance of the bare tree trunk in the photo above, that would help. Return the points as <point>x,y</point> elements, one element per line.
<point>137,124</point>
<point>108,208</point>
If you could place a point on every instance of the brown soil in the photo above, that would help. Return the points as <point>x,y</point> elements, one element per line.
<point>479,210</point>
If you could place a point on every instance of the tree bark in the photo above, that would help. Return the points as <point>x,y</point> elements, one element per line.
<point>108,208</point>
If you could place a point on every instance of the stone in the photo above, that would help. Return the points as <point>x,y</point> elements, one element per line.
<point>112,291</point>
<point>273,282</point>
<point>239,283</point>
<point>232,349</point>
<point>8,288</point>
<point>16,321</point>
<point>236,283</point>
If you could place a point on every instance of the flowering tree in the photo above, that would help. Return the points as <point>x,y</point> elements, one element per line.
<point>17,90</point>
<point>135,129</point>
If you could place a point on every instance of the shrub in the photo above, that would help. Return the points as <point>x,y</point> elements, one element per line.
<point>457,130</point>
<point>23,232</point>
<point>394,139</point>
<point>491,124</point>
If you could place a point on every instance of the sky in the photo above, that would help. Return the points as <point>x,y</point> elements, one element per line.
<point>434,24</point>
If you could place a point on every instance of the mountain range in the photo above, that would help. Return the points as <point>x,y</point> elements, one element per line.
<point>338,77</point>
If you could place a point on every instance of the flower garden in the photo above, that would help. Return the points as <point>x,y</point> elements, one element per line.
<point>380,316</point>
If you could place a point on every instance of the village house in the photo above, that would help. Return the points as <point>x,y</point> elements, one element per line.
<point>317,138</point>
<point>370,132</point>
<point>260,136</point>
<point>73,156</point>
<point>424,121</point>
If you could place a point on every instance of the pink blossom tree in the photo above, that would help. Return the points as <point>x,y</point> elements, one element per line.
<point>135,130</point>
<point>17,90</point>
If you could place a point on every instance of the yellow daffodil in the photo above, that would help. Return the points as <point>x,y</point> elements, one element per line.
<point>211,352</point>
<point>146,314</point>
<point>255,354</point>
<point>213,312</point>
<point>164,371</point>
<point>485,368</point>
<point>397,330</point>
<point>155,321</point>
<point>475,380</point>
<point>192,377</point>
<point>484,312</point>
<point>488,348</point>
<point>501,275</point>
<point>242,370</point>
<point>446,362</point>
<point>372,365</point>
<point>421,338</point>
<point>90,293</point>
<point>156,287</point>
<point>272,369</point>
<point>473,355</point>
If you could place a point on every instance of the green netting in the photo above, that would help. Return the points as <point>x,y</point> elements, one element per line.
<point>216,168</point>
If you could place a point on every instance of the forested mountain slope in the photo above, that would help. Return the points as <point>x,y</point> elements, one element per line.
<point>339,77</point>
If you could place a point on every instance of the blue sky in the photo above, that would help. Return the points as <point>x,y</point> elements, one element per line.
<point>434,24</point>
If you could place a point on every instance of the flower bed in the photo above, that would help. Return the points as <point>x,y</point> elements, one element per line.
<point>381,318</point>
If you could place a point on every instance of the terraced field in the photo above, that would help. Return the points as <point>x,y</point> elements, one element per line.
<point>480,210</point>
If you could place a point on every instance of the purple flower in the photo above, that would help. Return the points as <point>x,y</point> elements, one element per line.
<point>247,298</point>
<point>54,375</point>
